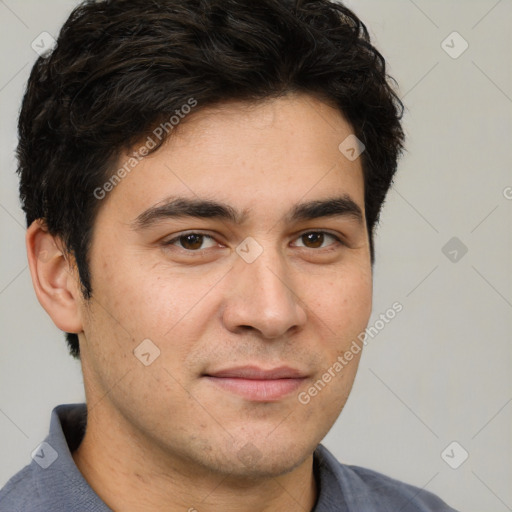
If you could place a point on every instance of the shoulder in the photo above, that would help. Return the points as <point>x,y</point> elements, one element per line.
<point>21,493</point>
<point>52,481</point>
<point>365,489</point>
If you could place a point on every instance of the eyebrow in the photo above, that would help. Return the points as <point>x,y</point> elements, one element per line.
<point>179,207</point>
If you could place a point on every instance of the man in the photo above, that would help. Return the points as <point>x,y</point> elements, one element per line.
<point>201,181</point>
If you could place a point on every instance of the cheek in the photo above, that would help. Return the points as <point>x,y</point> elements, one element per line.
<point>345,303</point>
<point>135,302</point>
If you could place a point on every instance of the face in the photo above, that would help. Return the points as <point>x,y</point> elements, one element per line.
<point>230,271</point>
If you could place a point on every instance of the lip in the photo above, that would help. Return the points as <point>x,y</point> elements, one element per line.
<point>258,384</point>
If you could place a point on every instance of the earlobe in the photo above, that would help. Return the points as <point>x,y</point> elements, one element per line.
<point>54,278</point>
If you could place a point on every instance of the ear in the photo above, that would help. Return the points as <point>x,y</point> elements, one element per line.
<point>54,277</point>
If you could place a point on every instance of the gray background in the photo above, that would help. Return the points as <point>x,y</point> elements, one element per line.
<point>441,370</point>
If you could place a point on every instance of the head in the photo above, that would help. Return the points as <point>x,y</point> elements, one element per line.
<point>224,119</point>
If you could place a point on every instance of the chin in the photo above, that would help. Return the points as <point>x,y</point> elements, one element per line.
<point>250,463</point>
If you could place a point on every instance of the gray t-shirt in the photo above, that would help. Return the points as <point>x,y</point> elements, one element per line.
<point>53,483</point>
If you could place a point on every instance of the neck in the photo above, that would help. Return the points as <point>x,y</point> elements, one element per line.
<point>128,472</point>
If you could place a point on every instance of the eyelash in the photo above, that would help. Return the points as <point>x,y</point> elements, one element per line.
<point>175,239</point>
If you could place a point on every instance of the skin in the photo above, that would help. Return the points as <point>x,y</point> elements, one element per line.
<point>164,436</point>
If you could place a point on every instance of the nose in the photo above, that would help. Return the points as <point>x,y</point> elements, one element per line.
<point>262,298</point>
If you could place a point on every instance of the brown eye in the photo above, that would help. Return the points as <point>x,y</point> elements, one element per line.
<point>313,240</point>
<point>317,240</point>
<point>193,247</point>
<point>192,241</point>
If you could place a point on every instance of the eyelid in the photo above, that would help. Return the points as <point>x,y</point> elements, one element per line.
<point>337,237</point>
<point>175,238</point>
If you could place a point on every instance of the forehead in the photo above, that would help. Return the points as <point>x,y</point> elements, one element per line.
<point>258,157</point>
